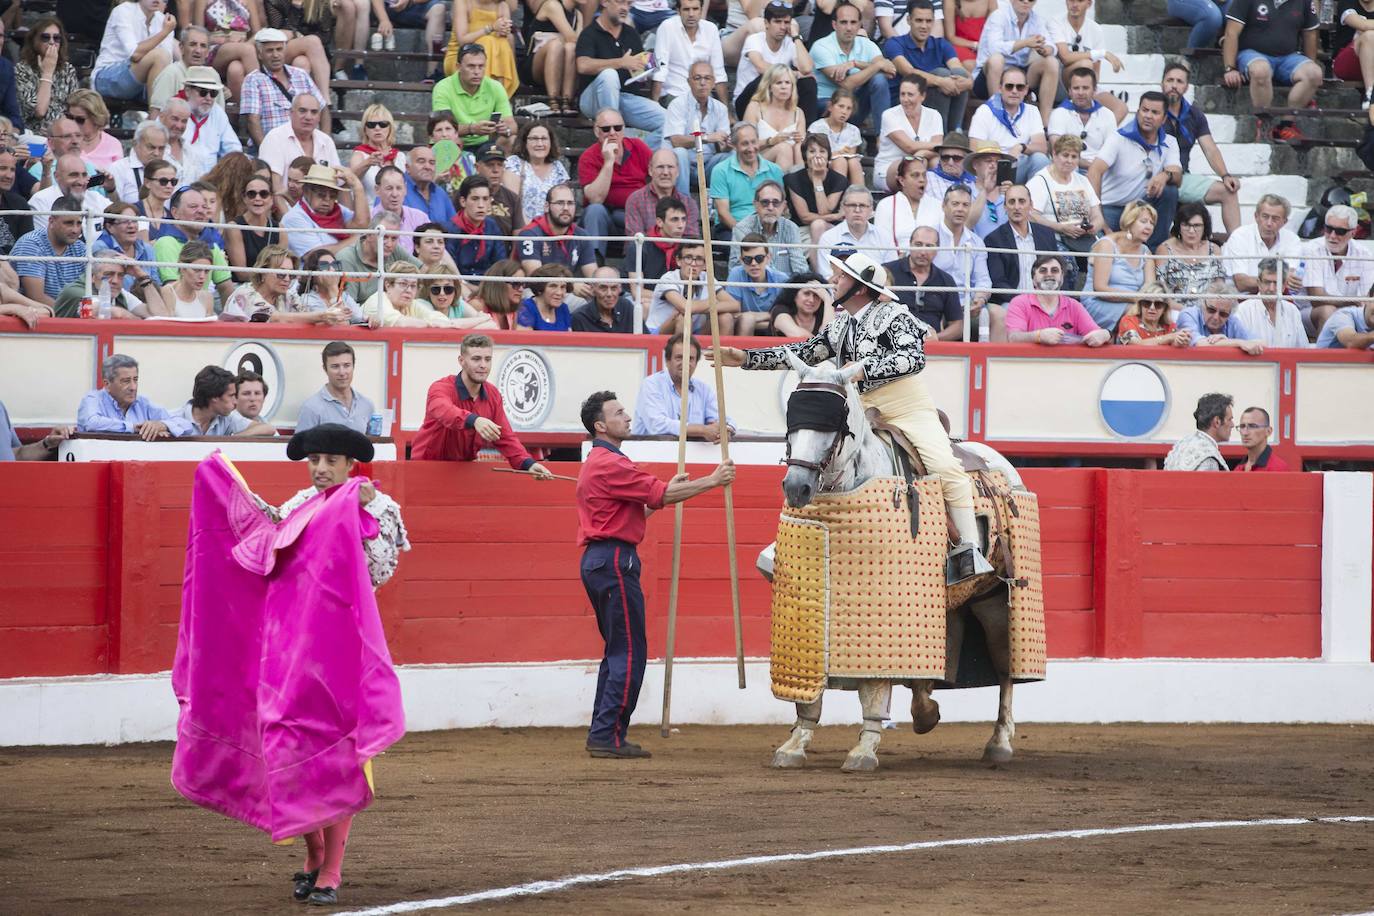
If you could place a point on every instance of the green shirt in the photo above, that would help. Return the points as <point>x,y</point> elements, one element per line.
<point>730,183</point>
<point>351,263</point>
<point>168,248</point>
<point>68,302</point>
<point>489,99</point>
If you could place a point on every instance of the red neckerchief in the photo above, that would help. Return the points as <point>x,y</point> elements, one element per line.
<point>331,222</point>
<point>562,240</point>
<point>669,250</point>
<point>467,228</point>
<point>366,150</point>
<point>181,94</point>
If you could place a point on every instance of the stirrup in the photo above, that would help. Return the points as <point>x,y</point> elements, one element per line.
<point>965,561</point>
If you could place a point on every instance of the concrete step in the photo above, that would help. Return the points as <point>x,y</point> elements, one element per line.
<point>1242,159</point>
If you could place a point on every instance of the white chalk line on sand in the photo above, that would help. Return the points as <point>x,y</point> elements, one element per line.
<point>535,888</point>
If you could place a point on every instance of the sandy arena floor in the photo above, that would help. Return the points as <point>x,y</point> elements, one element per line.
<point>100,830</point>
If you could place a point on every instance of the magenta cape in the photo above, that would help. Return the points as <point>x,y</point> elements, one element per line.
<point>282,671</point>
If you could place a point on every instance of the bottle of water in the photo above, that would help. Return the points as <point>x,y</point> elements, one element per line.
<point>1328,14</point>
<point>104,305</point>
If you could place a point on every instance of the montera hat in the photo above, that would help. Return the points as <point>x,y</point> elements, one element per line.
<point>867,271</point>
<point>329,439</point>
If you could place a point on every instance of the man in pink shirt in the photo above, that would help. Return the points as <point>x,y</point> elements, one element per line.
<point>1048,317</point>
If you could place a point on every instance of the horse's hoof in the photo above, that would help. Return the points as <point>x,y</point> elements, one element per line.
<point>926,720</point>
<point>996,753</point>
<point>860,763</point>
<point>789,760</point>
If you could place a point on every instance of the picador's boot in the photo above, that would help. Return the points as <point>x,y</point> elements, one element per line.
<point>965,560</point>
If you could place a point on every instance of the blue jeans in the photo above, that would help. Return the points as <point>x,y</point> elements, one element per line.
<point>118,82</point>
<point>646,22</point>
<point>1166,205</point>
<point>687,166</point>
<point>1205,16</point>
<point>638,111</point>
<point>598,219</point>
<point>1283,67</point>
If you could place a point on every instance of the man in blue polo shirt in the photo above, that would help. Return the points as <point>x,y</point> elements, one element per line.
<point>755,267</point>
<point>1351,327</point>
<point>933,58</point>
<point>846,58</point>
<point>421,191</point>
<point>42,281</point>
<point>734,181</point>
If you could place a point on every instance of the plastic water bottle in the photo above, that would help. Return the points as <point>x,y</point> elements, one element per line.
<point>1328,14</point>
<point>104,306</point>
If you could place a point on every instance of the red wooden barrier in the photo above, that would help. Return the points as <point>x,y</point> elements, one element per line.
<point>1136,564</point>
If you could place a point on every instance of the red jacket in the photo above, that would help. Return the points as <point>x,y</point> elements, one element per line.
<point>447,433</point>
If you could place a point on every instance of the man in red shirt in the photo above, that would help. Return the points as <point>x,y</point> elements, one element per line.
<point>614,498</point>
<point>1254,435</point>
<point>464,412</point>
<point>609,172</point>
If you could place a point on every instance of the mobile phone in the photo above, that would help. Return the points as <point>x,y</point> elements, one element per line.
<point>1006,171</point>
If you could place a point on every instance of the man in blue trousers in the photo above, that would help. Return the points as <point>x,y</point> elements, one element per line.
<point>614,500</point>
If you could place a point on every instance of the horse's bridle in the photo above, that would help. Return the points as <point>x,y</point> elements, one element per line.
<point>819,409</point>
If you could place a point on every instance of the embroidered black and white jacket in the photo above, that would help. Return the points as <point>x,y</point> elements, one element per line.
<point>886,338</point>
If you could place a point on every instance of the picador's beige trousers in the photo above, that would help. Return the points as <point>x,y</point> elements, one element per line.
<point>906,404</point>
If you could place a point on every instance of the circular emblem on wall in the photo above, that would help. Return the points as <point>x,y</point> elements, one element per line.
<point>259,357</point>
<point>1134,400</point>
<point>526,384</point>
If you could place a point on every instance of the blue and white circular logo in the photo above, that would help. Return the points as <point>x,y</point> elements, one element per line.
<point>260,357</point>
<point>1134,400</point>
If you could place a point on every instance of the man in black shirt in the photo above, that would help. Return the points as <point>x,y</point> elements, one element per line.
<point>609,311</point>
<point>940,310</point>
<point>609,54</point>
<point>1261,42</point>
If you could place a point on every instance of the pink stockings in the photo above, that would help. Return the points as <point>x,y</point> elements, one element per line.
<point>324,850</point>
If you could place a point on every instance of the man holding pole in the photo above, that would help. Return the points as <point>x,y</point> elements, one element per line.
<point>614,500</point>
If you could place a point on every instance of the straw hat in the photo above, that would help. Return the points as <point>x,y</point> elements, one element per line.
<point>988,148</point>
<point>324,176</point>
<point>204,77</point>
<point>867,271</point>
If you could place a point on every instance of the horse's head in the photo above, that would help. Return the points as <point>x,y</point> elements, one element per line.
<point>824,420</point>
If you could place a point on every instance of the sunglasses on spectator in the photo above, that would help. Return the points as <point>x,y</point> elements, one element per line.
<point>376,125</point>
<point>1336,230</point>
<point>325,264</point>
<point>951,157</point>
<point>771,201</point>
<point>1213,310</point>
<point>165,182</point>
<point>444,290</point>
<point>201,91</point>
<point>257,195</point>
<point>753,258</point>
<point>1153,305</point>
<point>51,38</point>
<point>1014,87</point>
<point>471,49</point>
<point>609,128</point>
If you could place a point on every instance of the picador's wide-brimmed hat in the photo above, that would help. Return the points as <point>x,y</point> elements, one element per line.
<point>867,271</point>
<point>329,439</point>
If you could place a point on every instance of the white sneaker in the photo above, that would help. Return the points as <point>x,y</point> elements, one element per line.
<point>376,42</point>
<point>390,42</point>
<point>340,75</point>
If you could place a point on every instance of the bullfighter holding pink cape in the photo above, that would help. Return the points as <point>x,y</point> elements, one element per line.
<point>282,672</point>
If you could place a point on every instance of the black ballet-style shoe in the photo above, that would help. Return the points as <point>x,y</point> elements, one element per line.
<point>304,883</point>
<point>323,896</point>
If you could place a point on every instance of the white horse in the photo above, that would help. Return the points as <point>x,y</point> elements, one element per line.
<point>821,461</point>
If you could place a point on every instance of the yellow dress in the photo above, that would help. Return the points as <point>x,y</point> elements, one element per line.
<point>500,53</point>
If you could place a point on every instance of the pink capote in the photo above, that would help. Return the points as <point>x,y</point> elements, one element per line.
<point>282,671</point>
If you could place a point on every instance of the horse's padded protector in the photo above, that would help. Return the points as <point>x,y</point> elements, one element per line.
<point>1027,601</point>
<point>854,594</point>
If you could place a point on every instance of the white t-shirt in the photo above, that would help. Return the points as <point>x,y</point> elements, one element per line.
<point>746,73</point>
<point>1090,37</point>
<point>1287,332</point>
<point>1063,203</point>
<point>1130,167</point>
<point>848,136</point>
<point>1354,278</point>
<point>1244,250</point>
<point>93,201</point>
<point>985,126</point>
<point>894,119</point>
<point>1099,129</point>
<point>125,30</point>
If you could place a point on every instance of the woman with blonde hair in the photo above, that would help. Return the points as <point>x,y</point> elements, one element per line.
<point>780,122</point>
<point>487,23</point>
<point>1119,265</point>
<point>99,148</point>
<point>397,305</point>
<point>378,147</point>
<point>190,295</point>
<point>1147,323</point>
<point>442,293</point>
<point>271,294</point>
<point>497,298</point>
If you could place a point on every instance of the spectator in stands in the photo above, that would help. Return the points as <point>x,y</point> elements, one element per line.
<point>908,129</point>
<point>195,51</point>
<point>1270,318</point>
<point>120,239</point>
<point>391,195</point>
<point>1198,450</point>
<point>1351,327</point>
<point>1266,44</point>
<point>324,288</point>
<point>774,113</point>
<point>212,408</point>
<point>641,206</point>
<point>1147,323</point>
<point>551,49</point>
<point>856,233</point>
<point>783,236</point>
<point>506,207</point>
<point>174,116</point>
<point>988,209</point>
<point>254,226</point>
<point>1335,265</point>
<point>609,171</point>
<point>965,258</point>
<point>1192,257</point>
<point>965,27</point>
<point>738,178</point>
<point>318,220</point>
<point>681,41</point>
<point>138,44</point>
<point>228,23</point>
<point>1119,265</point>
<point>1255,430</point>
<point>1082,45</point>
<point>15,225</point>
<point>1205,16</point>
<point>44,77</point>
<point>1016,128</point>
<point>938,308</point>
<point>118,408</point>
<point>398,304</point>
<point>441,294</point>
<point>1082,116</point>
<point>45,449</point>
<point>358,261</point>
<point>443,126</point>
<point>485,24</point>
<point>70,179</point>
<point>1353,57</point>
<point>60,236</point>
<point>608,311</point>
<point>212,136</point>
<point>660,254</point>
<point>337,401</point>
<point>1188,126</point>
<point>747,284</point>
<point>309,32</point>
<point>150,143</point>
<point>931,57</point>
<point>155,196</point>
<point>609,53</point>
<point>430,249</point>
<point>63,137</point>
<point>271,295</point>
<point>1015,36</point>
<point>777,43</point>
<point>297,137</point>
<point>480,106</point>
<point>9,93</point>
<point>849,59</point>
<point>123,304</point>
<point>546,308</point>
<point>271,97</point>
<point>474,255</point>
<point>803,312</point>
<point>1021,238</point>
<point>1267,237</point>
<point>658,410</point>
<point>814,190</point>
<point>189,296</point>
<point>693,110</point>
<point>1119,179</point>
<point>1047,316</point>
<point>378,148</point>
<point>421,191</point>
<point>555,239</point>
<point>252,397</point>
<point>98,147</point>
<point>498,297</point>
<point>1211,324</point>
<point>189,204</point>
<point>535,167</point>
<point>846,143</point>
<point>684,291</point>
